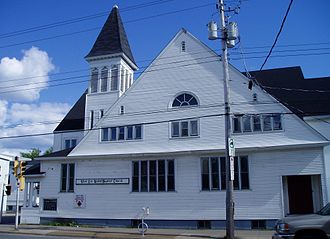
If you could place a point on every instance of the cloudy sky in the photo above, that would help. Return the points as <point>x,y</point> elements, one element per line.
<point>43,45</point>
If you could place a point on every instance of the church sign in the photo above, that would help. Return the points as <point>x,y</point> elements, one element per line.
<point>101,181</point>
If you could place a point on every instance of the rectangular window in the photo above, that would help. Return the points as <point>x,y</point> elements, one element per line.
<point>246,119</point>
<point>129,132</point>
<point>194,127</point>
<point>73,142</point>
<point>144,176</point>
<point>277,122</point>
<point>67,177</point>
<point>105,134</point>
<point>50,205</point>
<point>170,176</point>
<point>138,131</point>
<point>129,135</point>
<point>127,80</point>
<point>67,143</point>
<point>135,177</point>
<point>237,125</point>
<point>205,174</point>
<point>267,123</point>
<point>213,173</point>
<point>257,123</point>
<point>186,128</point>
<point>101,113</point>
<point>113,131</point>
<point>121,133</point>
<point>153,176</point>
<point>114,79</point>
<point>175,129</point>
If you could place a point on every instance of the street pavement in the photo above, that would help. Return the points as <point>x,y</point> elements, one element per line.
<point>126,233</point>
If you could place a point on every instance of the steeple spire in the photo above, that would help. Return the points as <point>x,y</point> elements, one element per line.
<point>112,38</point>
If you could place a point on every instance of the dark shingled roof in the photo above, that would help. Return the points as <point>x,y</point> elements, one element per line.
<point>302,103</point>
<point>74,120</point>
<point>61,153</point>
<point>112,38</point>
<point>34,169</point>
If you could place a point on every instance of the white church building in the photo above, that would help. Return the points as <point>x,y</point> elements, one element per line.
<point>158,142</point>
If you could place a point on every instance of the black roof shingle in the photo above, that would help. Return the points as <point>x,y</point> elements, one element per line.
<point>112,38</point>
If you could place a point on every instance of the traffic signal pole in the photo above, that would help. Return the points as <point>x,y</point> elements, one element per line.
<point>2,198</point>
<point>17,204</point>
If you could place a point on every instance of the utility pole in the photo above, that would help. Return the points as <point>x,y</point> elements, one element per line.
<point>229,162</point>
<point>227,39</point>
<point>17,204</point>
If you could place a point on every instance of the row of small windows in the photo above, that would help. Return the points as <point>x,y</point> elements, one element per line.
<point>257,123</point>
<point>119,133</point>
<point>214,173</point>
<point>153,176</point>
<point>109,79</point>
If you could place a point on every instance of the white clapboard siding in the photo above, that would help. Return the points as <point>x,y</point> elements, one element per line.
<point>262,201</point>
<point>149,101</point>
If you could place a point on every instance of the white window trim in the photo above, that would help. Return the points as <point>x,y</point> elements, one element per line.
<point>117,134</point>
<point>180,128</point>
<point>262,131</point>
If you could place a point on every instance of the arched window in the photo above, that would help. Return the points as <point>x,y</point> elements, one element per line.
<point>184,99</point>
<point>94,80</point>
<point>114,78</point>
<point>104,79</point>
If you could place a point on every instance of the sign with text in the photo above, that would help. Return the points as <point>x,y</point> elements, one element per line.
<point>101,181</point>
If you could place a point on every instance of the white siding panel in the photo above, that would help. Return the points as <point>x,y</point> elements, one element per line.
<point>262,201</point>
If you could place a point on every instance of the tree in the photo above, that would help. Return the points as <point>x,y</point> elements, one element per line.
<point>32,154</point>
<point>48,151</point>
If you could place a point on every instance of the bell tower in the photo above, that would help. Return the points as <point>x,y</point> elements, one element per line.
<point>112,66</point>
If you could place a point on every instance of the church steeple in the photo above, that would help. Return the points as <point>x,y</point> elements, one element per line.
<point>112,39</point>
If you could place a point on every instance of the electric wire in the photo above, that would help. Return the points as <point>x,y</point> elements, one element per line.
<point>277,36</point>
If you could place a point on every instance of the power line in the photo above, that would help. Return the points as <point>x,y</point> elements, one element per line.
<point>152,69</point>
<point>278,34</point>
<point>142,123</point>
<point>98,28</point>
<point>79,19</point>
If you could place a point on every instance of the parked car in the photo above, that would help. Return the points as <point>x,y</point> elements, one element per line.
<point>309,226</point>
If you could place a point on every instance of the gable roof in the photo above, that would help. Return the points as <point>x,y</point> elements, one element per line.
<point>75,118</point>
<point>304,97</point>
<point>112,38</point>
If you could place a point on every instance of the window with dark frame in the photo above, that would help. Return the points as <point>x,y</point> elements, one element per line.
<point>104,79</point>
<point>213,173</point>
<point>50,204</point>
<point>184,128</point>
<point>121,133</point>
<point>184,100</point>
<point>67,177</point>
<point>94,80</point>
<point>153,176</point>
<point>114,78</point>
<point>257,123</point>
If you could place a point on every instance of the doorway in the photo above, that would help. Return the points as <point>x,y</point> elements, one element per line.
<point>302,194</point>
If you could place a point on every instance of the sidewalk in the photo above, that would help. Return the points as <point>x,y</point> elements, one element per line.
<point>129,233</point>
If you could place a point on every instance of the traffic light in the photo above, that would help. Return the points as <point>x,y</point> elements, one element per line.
<point>15,167</point>
<point>22,167</point>
<point>21,182</point>
<point>8,190</point>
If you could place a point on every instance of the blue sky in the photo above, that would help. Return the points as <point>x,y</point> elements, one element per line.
<point>306,29</point>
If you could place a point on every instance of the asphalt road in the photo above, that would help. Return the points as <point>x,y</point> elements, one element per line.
<point>21,236</point>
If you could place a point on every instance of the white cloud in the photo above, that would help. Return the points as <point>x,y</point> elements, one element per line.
<point>18,77</point>
<point>29,119</point>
